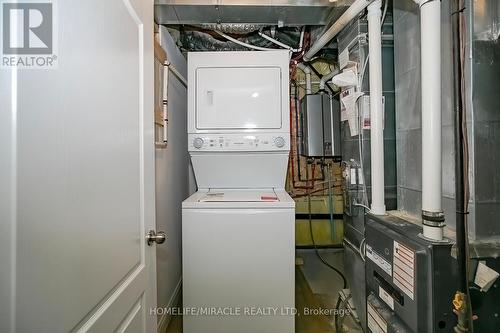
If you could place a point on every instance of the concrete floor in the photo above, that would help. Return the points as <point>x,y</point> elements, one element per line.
<point>316,287</point>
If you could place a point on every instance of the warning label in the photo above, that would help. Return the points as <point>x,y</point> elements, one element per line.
<point>378,260</point>
<point>404,269</point>
<point>384,295</point>
<point>376,323</point>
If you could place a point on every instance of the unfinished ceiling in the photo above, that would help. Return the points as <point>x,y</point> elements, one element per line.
<point>259,12</point>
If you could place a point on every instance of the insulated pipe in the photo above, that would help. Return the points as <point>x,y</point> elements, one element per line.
<point>430,44</point>
<point>342,21</point>
<point>326,78</point>
<point>307,72</point>
<point>376,108</point>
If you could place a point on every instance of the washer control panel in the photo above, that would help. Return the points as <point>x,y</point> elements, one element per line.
<point>238,142</point>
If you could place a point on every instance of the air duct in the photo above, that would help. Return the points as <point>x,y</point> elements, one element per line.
<point>231,28</point>
<point>327,77</point>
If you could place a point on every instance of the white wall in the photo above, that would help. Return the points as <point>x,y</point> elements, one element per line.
<point>172,181</point>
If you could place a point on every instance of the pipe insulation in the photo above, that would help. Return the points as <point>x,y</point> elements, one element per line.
<point>342,21</point>
<point>307,72</point>
<point>376,108</point>
<point>430,44</point>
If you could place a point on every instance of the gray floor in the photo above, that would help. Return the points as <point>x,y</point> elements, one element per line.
<point>322,279</point>
<point>317,286</point>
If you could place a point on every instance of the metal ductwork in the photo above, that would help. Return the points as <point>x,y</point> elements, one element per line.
<point>252,12</point>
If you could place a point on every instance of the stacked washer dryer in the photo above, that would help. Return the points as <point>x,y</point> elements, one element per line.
<point>238,231</point>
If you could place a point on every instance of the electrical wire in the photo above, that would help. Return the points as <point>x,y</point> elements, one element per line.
<point>344,280</point>
<point>236,41</point>
<point>385,11</point>
<point>463,211</point>
<point>362,249</point>
<point>361,205</point>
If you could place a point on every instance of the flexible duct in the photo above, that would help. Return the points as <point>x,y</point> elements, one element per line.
<point>326,78</point>
<point>231,28</point>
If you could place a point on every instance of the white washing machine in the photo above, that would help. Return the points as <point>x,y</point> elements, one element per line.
<point>239,255</point>
<point>238,230</point>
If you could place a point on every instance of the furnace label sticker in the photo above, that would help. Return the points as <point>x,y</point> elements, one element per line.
<point>384,295</point>
<point>378,260</point>
<point>376,324</point>
<point>404,269</point>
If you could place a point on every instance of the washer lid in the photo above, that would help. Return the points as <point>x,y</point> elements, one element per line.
<point>239,198</point>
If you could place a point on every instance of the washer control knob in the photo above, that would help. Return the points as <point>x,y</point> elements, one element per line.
<point>198,143</point>
<point>279,142</point>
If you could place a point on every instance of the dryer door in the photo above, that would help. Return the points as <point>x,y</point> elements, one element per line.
<point>238,98</point>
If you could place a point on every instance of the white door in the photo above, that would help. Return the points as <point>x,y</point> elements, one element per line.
<point>77,177</point>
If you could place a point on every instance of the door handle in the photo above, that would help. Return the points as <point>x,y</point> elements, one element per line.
<point>153,237</point>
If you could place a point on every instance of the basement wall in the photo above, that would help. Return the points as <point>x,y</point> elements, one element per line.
<point>172,184</point>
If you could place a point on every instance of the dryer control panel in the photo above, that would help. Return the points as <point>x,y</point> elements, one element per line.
<point>238,142</point>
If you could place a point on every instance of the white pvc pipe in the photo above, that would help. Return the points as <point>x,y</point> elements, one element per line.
<point>277,42</point>
<point>301,42</point>
<point>434,233</point>
<point>307,72</point>
<point>376,111</point>
<point>342,21</point>
<point>430,43</point>
<point>234,40</point>
<point>326,78</point>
